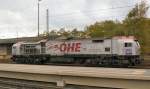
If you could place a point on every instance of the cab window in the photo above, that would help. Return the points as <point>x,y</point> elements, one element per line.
<point>128,45</point>
<point>137,43</point>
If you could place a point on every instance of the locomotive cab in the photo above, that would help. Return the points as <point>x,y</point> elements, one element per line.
<point>129,50</point>
<point>129,47</point>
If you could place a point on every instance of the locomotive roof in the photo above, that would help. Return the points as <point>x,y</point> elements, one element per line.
<point>97,38</point>
<point>123,38</point>
<point>38,39</point>
<point>84,38</point>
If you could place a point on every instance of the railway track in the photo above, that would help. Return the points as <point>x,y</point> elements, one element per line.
<point>6,83</point>
<point>144,65</point>
<point>17,76</point>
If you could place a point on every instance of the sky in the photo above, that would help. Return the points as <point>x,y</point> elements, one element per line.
<point>18,18</point>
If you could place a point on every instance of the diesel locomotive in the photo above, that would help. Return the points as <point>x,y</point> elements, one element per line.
<point>94,51</point>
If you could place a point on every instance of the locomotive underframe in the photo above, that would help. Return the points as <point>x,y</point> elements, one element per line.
<point>93,60</point>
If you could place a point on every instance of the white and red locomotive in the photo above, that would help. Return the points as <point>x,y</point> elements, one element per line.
<point>107,51</point>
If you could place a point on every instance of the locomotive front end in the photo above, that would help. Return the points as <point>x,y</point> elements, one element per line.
<point>129,49</point>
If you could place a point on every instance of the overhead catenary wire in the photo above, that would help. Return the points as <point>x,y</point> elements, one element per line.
<point>59,17</point>
<point>96,18</point>
<point>91,11</point>
<point>91,14</point>
<point>66,18</point>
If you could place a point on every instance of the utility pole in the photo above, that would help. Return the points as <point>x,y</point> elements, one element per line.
<point>47,22</point>
<point>38,17</point>
<point>17,35</point>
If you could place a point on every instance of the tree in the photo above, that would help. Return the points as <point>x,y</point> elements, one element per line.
<point>53,32</point>
<point>135,18</point>
<point>139,11</point>
<point>136,23</point>
<point>63,32</point>
<point>74,32</point>
<point>106,28</point>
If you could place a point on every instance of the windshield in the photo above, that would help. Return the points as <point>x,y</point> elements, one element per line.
<point>137,43</point>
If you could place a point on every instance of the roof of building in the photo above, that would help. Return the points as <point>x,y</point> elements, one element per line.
<point>27,39</point>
